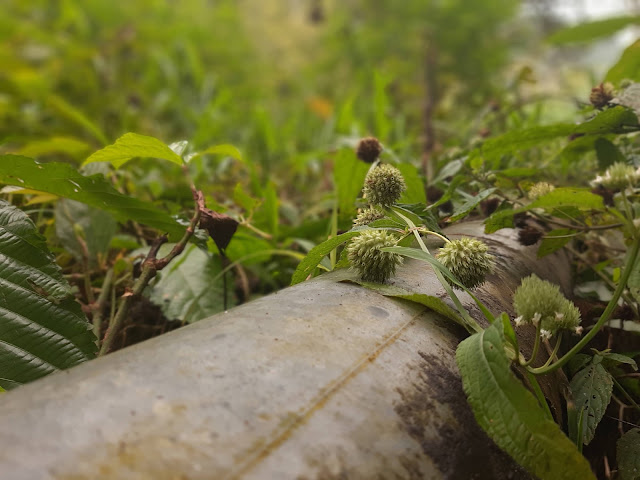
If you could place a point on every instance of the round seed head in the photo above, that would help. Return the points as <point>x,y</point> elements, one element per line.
<point>369,149</point>
<point>365,255</point>
<point>384,185</point>
<point>468,259</point>
<point>368,215</point>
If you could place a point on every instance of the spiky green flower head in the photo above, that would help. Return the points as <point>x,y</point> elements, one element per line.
<point>537,300</point>
<point>618,177</point>
<point>368,215</point>
<point>365,255</point>
<point>468,259</point>
<point>384,185</point>
<point>539,189</point>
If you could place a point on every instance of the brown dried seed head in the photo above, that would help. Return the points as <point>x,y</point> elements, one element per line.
<point>369,149</point>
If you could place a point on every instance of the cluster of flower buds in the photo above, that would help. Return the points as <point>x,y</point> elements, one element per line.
<point>539,302</point>
<point>365,255</point>
<point>618,176</point>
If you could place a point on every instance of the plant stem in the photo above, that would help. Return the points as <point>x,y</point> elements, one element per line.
<point>536,345</point>
<point>613,303</point>
<point>98,307</point>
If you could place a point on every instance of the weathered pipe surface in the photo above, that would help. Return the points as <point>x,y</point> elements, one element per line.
<point>319,381</point>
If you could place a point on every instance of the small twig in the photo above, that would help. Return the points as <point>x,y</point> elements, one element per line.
<point>150,267</point>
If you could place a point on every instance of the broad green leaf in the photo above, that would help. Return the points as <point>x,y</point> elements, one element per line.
<point>592,387</point>
<point>63,180</point>
<point>317,253</point>
<point>628,455</point>
<point>95,228</point>
<point>511,415</point>
<point>434,303</point>
<point>132,145</point>
<point>611,120</point>
<point>628,67</point>
<point>589,31</point>
<point>42,327</point>
<point>555,240</point>
<point>348,177</point>
<point>607,153</point>
<point>467,207</point>
<point>500,219</point>
<point>190,288</point>
<point>415,186</point>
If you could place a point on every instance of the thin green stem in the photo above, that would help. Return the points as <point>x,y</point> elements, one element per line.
<point>536,346</point>
<point>98,307</point>
<point>552,356</point>
<point>430,232</point>
<point>604,318</point>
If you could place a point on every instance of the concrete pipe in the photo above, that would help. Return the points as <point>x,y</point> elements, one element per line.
<point>323,380</point>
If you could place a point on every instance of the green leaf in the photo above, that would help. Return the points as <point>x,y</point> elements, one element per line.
<point>317,253</point>
<point>63,180</point>
<point>55,145</point>
<point>611,120</point>
<point>568,197</point>
<point>415,192</point>
<point>510,414</point>
<point>42,327</point>
<point>609,357</point>
<point>607,153</point>
<point>628,67</point>
<point>95,228</point>
<point>434,303</point>
<point>592,387</point>
<point>190,288</point>
<point>425,257</point>
<point>132,145</point>
<point>71,113</point>
<point>348,177</point>
<point>628,455</point>
<point>467,207</point>
<point>589,31</point>
<point>555,240</point>
<point>224,149</point>
<point>499,220</point>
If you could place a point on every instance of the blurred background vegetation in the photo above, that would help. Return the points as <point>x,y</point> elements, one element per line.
<point>293,84</point>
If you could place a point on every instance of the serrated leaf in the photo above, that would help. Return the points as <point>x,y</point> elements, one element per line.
<point>63,180</point>
<point>619,358</point>
<point>628,455</point>
<point>511,415</point>
<point>555,240</point>
<point>568,197</point>
<point>628,67</point>
<point>317,253</point>
<point>499,220</point>
<point>592,387</point>
<point>190,288</point>
<point>348,177</point>
<point>96,228</point>
<point>132,145</point>
<point>589,31</point>
<point>434,303</point>
<point>611,120</point>
<point>467,207</point>
<point>607,153</point>
<point>42,327</point>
